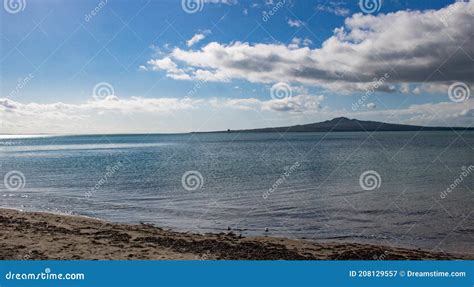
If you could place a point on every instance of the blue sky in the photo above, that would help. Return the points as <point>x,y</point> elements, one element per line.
<point>157,66</point>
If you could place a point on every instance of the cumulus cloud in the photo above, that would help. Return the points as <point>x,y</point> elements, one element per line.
<point>298,42</point>
<point>405,88</point>
<point>433,114</point>
<point>416,47</point>
<point>228,2</point>
<point>113,114</point>
<point>334,7</point>
<point>195,39</point>
<point>164,64</point>
<point>295,23</point>
<point>138,104</point>
<point>170,67</point>
<point>110,103</point>
<point>295,104</point>
<point>371,106</point>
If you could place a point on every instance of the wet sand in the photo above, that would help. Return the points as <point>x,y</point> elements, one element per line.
<point>34,235</point>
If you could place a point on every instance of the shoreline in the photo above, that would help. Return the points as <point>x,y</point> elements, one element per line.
<point>41,236</point>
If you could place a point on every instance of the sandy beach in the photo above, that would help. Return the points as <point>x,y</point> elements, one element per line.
<point>36,236</point>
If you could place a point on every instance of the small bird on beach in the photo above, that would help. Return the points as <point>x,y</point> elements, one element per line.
<point>266,229</point>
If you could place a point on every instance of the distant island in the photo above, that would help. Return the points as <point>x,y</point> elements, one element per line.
<point>343,124</point>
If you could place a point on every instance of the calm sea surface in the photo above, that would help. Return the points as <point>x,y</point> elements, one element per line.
<point>298,185</point>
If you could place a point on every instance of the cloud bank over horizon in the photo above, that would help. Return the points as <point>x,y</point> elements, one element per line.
<point>146,115</point>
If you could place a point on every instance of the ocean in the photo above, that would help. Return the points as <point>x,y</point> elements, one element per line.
<point>409,189</point>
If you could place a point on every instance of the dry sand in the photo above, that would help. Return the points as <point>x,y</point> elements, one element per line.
<point>33,235</point>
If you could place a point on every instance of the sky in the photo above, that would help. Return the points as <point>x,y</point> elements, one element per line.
<point>149,66</point>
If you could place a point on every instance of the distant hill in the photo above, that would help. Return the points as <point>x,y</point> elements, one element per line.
<point>344,124</point>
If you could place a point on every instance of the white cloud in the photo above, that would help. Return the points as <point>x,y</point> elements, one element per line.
<point>228,2</point>
<point>109,103</point>
<point>433,114</point>
<point>416,47</point>
<point>164,64</point>
<point>295,104</point>
<point>298,43</point>
<point>108,115</point>
<point>195,39</point>
<point>295,23</point>
<point>334,7</point>
<point>170,67</point>
<point>405,88</point>
<point>114,114</point>
<point>138,104</point>
<point>371,106</point>
<point>117,115</point>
